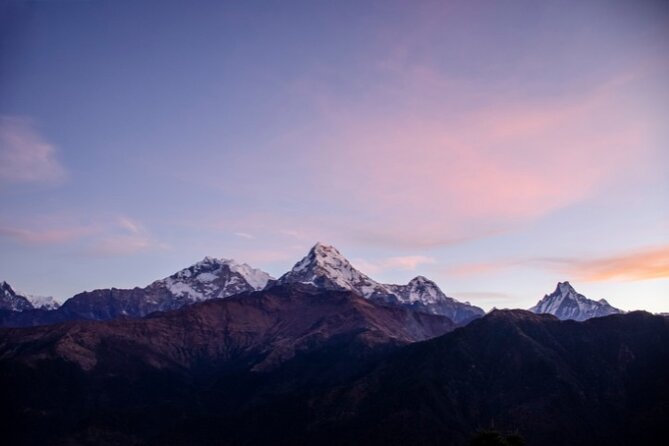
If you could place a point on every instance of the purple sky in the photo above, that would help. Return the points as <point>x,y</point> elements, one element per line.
<point>495,147</point>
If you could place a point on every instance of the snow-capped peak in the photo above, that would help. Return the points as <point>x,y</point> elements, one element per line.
<point>420,289</point>
<point>42,302</point>
<point>257,278</point>
<point>213,277</point>
<point>325,267</point>
<point>566,303</point>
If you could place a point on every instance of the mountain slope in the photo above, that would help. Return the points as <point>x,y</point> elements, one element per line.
<point>326,268</point>
<point>82,382</point>
<point>565,303</point>
<point>603,381</point>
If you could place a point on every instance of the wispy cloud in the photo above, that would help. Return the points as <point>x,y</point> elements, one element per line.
<point>130,225</point>
<point>103,236</point>
<point>245,235</point>
<point>25,156</point>
<point>408,263</point>
<point>45,236</point>
<point>639,264</point>
<point>645,264</point>
<point>124,245</point>
<point>401,263</point>
<point>125,237</point>
<point>484,268</point>
<point>485,297</point>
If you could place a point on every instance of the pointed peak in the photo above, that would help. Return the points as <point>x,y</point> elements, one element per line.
<point>564,288</point>
<point>566,303</point>
<point>324,250</point>
<point>327,268</point>
<point>421,280</point>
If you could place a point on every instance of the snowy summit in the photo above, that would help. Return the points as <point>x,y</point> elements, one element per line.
<point>213,278</point>
<point>566,303</point>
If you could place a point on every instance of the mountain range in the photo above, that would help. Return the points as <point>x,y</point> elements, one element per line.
<point>323,267</point>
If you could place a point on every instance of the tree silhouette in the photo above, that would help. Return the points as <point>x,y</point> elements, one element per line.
<point>494,438</point>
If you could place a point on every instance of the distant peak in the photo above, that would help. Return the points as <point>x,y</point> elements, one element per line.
<point>567,303</point>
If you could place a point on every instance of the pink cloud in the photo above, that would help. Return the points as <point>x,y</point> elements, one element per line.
<point>124,245</point>
<point>403,263</point>
<point>420,160</point>
<point>409,263</point>
<point>124,237</point>
<point>102,236</point>
<point>639,264</point>
<point>420,174</point>
<point>482,268</point>
<point>24,155</point>
<point>645,264</point>
<point>130,225</point>
<point>45,236</point>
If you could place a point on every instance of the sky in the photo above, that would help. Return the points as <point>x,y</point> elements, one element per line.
<point>494,147</point>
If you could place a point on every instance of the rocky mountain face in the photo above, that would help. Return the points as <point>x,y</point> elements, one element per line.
<point>208,279</point>
<point>325,267</point>
<point>10,301</point>
<point>296,365</point>
<point>566,303</point>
